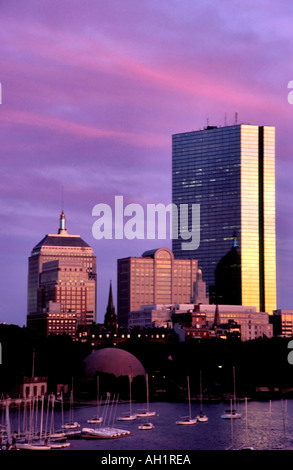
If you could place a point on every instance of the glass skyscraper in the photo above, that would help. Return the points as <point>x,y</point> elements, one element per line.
<point>230,173</point>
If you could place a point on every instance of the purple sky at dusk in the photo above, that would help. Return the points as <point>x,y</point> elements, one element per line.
<point>92,92</point>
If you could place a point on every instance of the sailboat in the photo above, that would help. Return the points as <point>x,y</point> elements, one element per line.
<point>96,419</point>
<point>56,439</point>
<point>146,413</point>
<point>202,418</point>
<point>6,435</point>
<point>128,416</point>
<point>246,447</point>
<point>146,426</point>
<point>32,442</point>
<point>187,419</point>
<point>232,413</point>
<point>107,431</point>
<point>71,424</point>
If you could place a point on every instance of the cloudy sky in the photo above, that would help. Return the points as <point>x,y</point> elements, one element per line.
<point>92,91</point>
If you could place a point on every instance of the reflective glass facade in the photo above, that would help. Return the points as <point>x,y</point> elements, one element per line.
<point>230,172</point>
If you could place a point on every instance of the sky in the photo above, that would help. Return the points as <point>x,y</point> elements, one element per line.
<point>91,93</point>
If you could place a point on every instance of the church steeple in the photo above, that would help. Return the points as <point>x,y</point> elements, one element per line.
<point>62,228</point>
<point>110,300</point>
<point>217,316</point>
<point>110,317</point>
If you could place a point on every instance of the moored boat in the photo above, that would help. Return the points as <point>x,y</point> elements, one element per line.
<point>146,413</point>
<point>146,426</point>
<point>128,416</point>
<point>201,418</point>
<point>187,419</point>
<point>104,433</point>
<point>232,413</point>
<point>32,446</point>
<point>71,425</point>
<point>59,445</point>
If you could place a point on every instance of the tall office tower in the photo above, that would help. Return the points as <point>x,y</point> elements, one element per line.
<point>155,278</point>
<point>62,270</point>
<point>230,173</point>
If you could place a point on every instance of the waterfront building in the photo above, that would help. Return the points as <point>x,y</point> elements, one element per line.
<point>33,387</point>
<point>61,283</point>
<point>253,324</point>
<point>156,278</point>
<point>230,172</point>
<point>206,320</point>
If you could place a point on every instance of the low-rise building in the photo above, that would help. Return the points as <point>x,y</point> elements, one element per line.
<point>253,324</point>
<point>33,387</point>
<point>282,321</point>
<point>52,321</point>
<point>200,320</point>
<point>151,316</point>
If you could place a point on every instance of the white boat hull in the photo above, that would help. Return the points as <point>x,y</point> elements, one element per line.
<point>104,433</point>
<point>231,415</point>
<point>27,446</point>
<point>202,419</point>
<point>95,420</point>
<point>146,414</point>
<point>187,421</point>
<point>59,445</point>
<point>146,426</point>
<point>71,425</point>
<point>127,418</point>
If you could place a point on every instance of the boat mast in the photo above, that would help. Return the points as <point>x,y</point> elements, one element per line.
<point>130,405</point>
<point>234,387</point>
<point>8,426</point>
<point>189,397</point>
<point>147,391</point>
<point>200,391</point>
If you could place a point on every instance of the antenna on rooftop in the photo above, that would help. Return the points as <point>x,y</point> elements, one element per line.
<point>236,118</point>
<point>225,120</point>
<point>62,198</point>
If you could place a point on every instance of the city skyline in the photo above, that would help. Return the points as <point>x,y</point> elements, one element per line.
<point>90,97</point>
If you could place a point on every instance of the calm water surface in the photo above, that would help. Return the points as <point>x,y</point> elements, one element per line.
<point>268,426</point>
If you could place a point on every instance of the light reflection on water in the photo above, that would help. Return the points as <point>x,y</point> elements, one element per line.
<point>268,426</point>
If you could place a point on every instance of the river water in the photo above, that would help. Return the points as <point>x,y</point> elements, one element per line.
<point>263,425</point>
